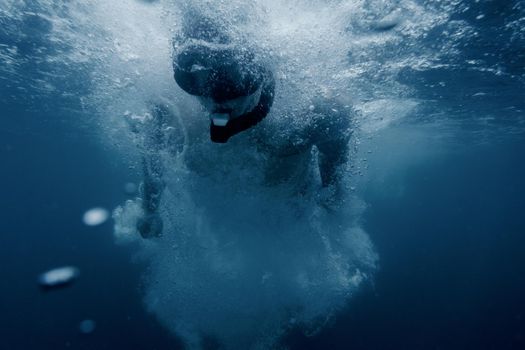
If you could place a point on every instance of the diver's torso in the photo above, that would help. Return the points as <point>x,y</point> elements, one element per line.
<point>276,151</point>
<point>260,155</point>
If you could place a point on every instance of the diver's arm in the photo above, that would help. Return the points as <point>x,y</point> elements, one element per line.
<point>155,140</point>
<point>150,225</point>
<point>331,137</point>
<point>333,156</point>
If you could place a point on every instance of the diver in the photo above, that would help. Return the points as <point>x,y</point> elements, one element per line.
<point>237,90</point>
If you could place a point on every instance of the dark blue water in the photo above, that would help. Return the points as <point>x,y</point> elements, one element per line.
<point>447,224</point>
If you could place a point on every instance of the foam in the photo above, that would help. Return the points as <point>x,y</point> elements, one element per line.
<point>245,266</point>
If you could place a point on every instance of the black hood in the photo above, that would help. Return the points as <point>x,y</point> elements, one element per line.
<point>218,71</point>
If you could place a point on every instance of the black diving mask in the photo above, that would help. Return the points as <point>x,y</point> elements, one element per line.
<point>235,89</point>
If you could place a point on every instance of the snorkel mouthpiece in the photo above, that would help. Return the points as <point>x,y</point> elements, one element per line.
<point>219,119</point>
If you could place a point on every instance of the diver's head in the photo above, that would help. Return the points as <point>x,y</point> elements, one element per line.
<point>218,71</point>
<point>228,81</point>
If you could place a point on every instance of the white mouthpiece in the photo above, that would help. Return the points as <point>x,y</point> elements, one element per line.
<point>220,119</point>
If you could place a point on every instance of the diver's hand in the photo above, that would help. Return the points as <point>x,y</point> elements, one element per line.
<point>150,226</point>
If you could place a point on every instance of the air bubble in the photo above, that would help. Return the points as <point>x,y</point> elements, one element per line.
<point>87,326</point>
<point>95,216</point>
